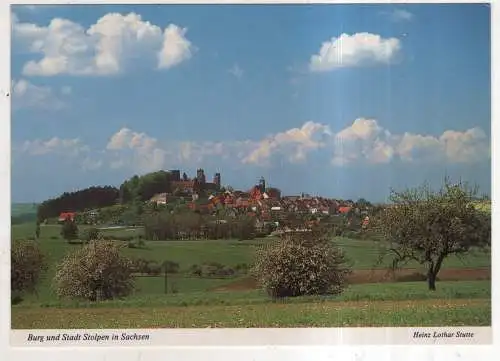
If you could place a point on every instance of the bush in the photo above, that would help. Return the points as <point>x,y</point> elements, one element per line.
<point>96,271</point>
<point>69,230</point>
<point>153,268</point>
<point>301,264</point>
<point>226,271</point>
<point>171,267</point>
<point>27,265</point>
<point>211,269</point>
<point>241,268</point>
<point>140,265</point>
<point>195,270</point>
<point>91,234</point>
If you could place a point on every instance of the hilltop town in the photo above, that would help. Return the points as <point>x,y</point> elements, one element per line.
<point>174,194</point>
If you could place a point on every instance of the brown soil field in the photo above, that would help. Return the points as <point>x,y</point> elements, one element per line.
<point>381,275</point>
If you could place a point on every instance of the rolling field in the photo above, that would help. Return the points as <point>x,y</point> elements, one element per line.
<point>463,296</point>
<point>19,209</point>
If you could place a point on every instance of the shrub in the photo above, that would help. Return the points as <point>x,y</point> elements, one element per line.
<point>141,243</point>
<point>226,271</point>
<point>210,269</point>
<point>139,265</point>
<point>171,267</point>
<point>69,230</point>
<point>91,234</point>
<point>301,264</point>
<point>97,271</point>
<point>241,268</point>
<point>153,268</point>
<point>195,270</point>
<point>27,265</point>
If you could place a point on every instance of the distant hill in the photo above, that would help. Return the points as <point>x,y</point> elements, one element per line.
<point>23,212</point>
<point>19,209</point>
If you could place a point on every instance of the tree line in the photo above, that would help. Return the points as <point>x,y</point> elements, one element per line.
<point>89,198</point>
<point>136,189</point>
<point>191,225</point>
<point>142,188</point>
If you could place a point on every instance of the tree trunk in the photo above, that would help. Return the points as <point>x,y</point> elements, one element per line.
<point>433,272</point>
<point>165,286</point>
<point>431,280</point>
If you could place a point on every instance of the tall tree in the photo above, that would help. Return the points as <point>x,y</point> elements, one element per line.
<point>428,226</point>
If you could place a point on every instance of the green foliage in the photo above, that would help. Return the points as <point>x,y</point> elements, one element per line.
<point>242,268</point>
<point>186,224</point>
<point>153,268</point>
<point>211,270</point>
<point>301,264</point>
<point>91,234</point>
<point>97,271</point>
<point>171,266</point>
<point>135,243</point>
<point>89,198</point>
<point>140,189</point>
<point>69,230</point>
<point>27,265</point>
<point>428,226</point>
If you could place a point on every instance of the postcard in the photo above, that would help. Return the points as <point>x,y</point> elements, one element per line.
<point>250,174</point>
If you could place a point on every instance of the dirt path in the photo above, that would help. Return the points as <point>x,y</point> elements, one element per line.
<point>381,275</point>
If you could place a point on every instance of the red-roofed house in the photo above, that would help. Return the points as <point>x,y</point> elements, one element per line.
<point>67,216</point>
<point>344,210</point>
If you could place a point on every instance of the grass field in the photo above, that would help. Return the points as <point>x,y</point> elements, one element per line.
<point>19,209</point>
<point>214,302</point>
<point>312,314</point>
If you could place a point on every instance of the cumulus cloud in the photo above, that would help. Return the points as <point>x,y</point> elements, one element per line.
<point>70,147</point>
<point>145,153</point>
<point>112,45</point>
<point>364,141</point>
<point>296,142</point>
<point>28,95</point>
<point>360,49</point>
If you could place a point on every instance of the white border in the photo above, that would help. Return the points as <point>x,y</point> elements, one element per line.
<point>451,352</point>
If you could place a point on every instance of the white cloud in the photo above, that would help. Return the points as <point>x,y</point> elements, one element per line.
<point>176,48</point>
<point>399,15</point>
<point>236,71</point>
<point>28,95</point>
<point>70,147</point>
<point>469,146</point>
<point>113,44</point>
<point>360,49</point>
<point>364,141</point>
<point>296,143</point>
<point>145,154</point>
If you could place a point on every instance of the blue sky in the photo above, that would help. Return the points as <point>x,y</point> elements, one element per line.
<point>339,100</point>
